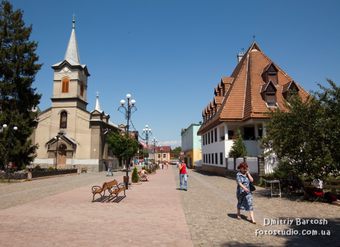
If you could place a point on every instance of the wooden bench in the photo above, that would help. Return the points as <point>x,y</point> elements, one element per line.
<point>114,188</point>
<point>99,190</point>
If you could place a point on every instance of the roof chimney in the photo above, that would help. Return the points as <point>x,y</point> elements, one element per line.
<point>240,56</point>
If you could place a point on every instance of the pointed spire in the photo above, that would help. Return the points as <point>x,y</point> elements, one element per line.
<point>97,107</point>
<point>72,54</point>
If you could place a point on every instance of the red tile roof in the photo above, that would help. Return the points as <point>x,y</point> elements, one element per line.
<point>163,149</point>
<point>242,97</point>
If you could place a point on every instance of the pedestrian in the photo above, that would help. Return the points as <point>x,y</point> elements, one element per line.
<point>243,193</point>
<point>109,169</point>
<point>183,176</point>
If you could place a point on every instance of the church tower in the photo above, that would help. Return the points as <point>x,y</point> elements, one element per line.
<point>68,135</point>
<point>70,78</point>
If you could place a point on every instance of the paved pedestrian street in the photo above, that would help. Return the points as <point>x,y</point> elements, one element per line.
<point>58,212</point>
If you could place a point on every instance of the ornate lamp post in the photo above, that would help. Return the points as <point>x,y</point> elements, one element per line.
<point>154,149</point>
<point>147,132</point>
<point>10,130</point>
<point>128,107</point>
<point>56,151</point>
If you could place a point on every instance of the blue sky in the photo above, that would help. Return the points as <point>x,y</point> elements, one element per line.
<point>170,54</point>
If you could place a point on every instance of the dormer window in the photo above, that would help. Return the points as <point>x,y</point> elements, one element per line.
<point>270,74</point>
<point>289,90</point>
<point>63,120</point>
<point>268,93</point>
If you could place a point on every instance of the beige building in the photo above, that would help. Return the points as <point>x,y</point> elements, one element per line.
<point>68,135</point>
<point>160,154</point>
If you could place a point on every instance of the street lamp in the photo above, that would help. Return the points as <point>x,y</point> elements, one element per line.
<point>154,149</point>
<point>147,131</point>
<point>56,150</point>
<point>128,108</point>
<point>8,144</point>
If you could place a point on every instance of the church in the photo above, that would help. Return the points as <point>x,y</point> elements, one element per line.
<point>68,135</point>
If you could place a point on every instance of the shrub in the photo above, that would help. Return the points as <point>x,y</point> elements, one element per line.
<point>135,177</point>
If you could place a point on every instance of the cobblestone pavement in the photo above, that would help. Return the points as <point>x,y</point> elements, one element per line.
<point>58,212</point>
<point>210,209</point>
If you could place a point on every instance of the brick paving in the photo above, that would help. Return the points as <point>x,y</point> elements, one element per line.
<point>150,215</point>
<point>58,212</point>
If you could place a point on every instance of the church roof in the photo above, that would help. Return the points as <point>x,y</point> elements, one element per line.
<point>242,98</point>
<point>72,53</point>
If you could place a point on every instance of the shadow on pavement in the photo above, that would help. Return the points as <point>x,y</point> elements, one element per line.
<point>107,199</point>
<point>116,199</point>
<point>207,173</point>
<point>235,243</point>
<point>318,232</point>
<point>234,216</point>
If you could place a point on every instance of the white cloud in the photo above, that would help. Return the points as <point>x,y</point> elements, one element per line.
<point>172,143</point>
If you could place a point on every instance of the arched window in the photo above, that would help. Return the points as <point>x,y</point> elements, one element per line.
<point>65,85</point>
<point>63,120</point>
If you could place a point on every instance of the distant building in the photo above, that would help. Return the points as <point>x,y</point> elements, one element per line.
<point>68,134</point>
<point>160,153</point>
<point>191,145</point>
<point>243,101</point>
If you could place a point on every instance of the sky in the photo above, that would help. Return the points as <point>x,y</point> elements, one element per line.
<point>171,54</point>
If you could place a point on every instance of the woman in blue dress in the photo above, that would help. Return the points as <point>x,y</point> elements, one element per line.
<point>243,193</point>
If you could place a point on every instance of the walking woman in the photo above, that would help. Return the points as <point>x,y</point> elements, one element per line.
<point>183,176</point>
<point>243,193</point>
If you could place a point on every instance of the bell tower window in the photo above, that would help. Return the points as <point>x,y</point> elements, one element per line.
<point>63,120</point>
<point>81,89</point>
<point>65,85</point>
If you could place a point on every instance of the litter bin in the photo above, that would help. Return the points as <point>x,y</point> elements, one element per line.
<point>126,181</point>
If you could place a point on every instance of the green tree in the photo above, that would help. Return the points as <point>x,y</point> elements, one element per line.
<point>18,67</point>
<point>329,99</point>
<point>135,177</point>
<point>175,153</point>
<point>122,146</point>
<point>306,137</point>
<point>238,149</point>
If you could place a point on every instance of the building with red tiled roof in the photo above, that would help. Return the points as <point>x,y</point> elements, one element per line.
<point>242,101</point>
<point>160,154</point>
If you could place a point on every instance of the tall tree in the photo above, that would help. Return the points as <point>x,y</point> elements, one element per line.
<point>329,98</point>
<point>122,146</point>
<point>18,67</point>
<point>306,137</point>
<point>175,153</point>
